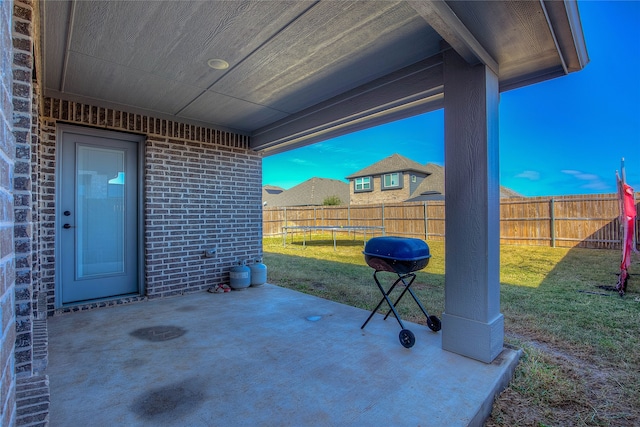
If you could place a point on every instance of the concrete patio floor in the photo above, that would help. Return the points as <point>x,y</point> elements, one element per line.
<point>265,356</point>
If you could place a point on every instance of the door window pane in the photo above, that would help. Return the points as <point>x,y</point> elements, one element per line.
<point>100,182</point>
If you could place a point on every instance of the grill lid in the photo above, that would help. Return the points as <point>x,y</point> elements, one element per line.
<point>397,248</point>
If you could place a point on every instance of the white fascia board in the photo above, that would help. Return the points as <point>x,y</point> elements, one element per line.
<point>563,18</point>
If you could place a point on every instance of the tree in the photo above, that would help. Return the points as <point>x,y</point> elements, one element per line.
<point>332,201</point>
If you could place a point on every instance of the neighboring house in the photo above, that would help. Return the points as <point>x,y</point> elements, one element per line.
<point>399,179</point>
<point>394,179</point>
<point>312,192</point>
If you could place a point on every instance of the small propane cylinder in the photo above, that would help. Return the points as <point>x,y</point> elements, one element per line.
<point>240,276</point>
<point>258,273</point>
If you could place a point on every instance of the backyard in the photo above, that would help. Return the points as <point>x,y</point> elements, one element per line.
<point>581,364</point>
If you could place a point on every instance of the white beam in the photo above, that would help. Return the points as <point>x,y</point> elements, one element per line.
<point>446,23</point>
<point>472,324</point>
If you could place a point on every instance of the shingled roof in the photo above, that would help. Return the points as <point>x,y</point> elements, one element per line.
<point>269,192</point>
<point>393,163</point>
<point>312,192</point>
<point>432,187</point>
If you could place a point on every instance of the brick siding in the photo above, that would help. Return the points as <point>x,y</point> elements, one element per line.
<point>198,196</point>
<point>22,184</point>
<point>7,266</point>
<point>202,188</point>
<point>32,396</point>
<point>45,163</point>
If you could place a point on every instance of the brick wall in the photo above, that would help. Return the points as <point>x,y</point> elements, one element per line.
<point>7,266</point>
<point>199,196</point>
<point>44,163</point>
<point>378,195</point>
<point>38,310</point>
<point>22,185</point>
<point>202,188</point>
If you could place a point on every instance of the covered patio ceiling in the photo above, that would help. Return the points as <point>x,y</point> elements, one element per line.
<point>299,71</point>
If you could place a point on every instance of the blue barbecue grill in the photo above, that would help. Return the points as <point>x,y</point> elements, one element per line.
<point>402,256</point>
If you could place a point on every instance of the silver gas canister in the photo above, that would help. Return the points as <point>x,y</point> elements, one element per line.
<point>240,276</point>
<point>258,273</point>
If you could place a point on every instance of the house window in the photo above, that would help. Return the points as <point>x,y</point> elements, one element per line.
<point>391,180</point>
<point>363,184</point>
<point>413,178</point>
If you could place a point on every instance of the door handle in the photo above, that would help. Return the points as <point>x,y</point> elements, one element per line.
<point>67,226</point>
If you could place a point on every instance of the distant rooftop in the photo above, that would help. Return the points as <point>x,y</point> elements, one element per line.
<point>312,192</point>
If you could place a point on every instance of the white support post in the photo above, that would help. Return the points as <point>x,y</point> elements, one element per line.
<point>472,324</point>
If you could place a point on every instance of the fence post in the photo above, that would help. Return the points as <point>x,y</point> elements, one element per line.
<point>283,230</point>
<point>426,223</point>
<point>349,215</point>
<point>552,222</point>
<point>382,207</point>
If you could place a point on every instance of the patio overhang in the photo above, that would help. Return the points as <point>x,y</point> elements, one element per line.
<point>291,73</point>
<point>299,72</point>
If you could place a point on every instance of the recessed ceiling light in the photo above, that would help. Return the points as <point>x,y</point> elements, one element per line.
<point>218,64</point>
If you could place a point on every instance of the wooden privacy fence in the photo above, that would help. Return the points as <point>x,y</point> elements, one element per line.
<point>567,221</point>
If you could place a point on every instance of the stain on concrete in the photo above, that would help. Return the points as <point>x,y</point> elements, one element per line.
<point>81,324</point>
<point>188,308</point>
<point>170,402</point>
<point>159,333</point>
<point>135,363</point>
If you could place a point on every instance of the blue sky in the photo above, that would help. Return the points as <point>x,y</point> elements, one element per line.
<point>562,136</point>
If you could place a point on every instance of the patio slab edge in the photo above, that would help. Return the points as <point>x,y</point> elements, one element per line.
<point>509,358</point>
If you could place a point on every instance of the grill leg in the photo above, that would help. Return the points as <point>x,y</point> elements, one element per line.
<point>407,288</point>
<point>385,297</point>
<point>432,321</point>
<point>415,298</point>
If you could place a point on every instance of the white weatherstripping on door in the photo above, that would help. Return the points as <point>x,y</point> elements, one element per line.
<point>98,215</point>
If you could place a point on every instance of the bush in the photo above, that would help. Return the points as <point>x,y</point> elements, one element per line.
<point>332,201</point>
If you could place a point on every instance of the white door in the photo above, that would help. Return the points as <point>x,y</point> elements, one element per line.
<point>97,217</point>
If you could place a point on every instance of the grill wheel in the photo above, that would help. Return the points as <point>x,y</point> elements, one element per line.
<point>407,339</point>
<point>434,323</point>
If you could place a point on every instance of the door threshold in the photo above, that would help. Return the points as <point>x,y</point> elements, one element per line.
<point>100,303</point>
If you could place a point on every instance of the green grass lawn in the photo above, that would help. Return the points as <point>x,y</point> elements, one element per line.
<point>581,363</point>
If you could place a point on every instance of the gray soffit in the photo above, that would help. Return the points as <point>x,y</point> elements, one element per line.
<point>299,71</point>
